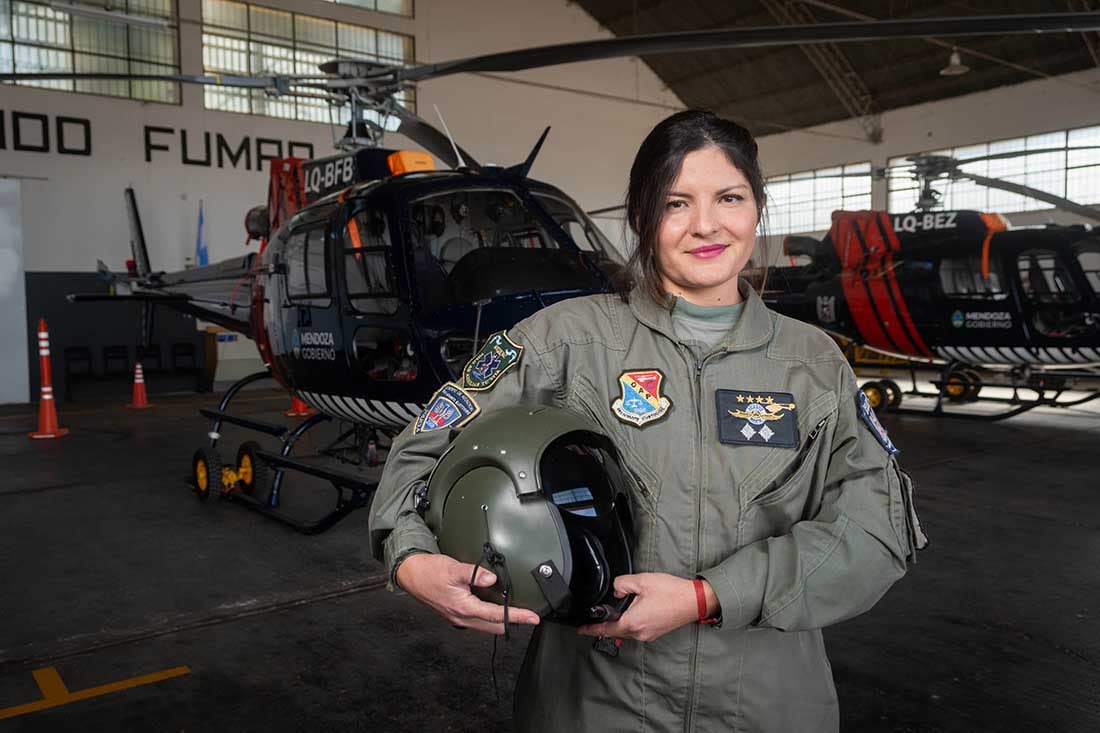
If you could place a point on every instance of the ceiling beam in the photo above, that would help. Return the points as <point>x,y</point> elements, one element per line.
<point>1090,39</point>
<point>835,68</point>
<point>944,44</point>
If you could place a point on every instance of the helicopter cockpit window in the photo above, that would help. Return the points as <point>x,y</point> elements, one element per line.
<point>367,266</point>
<point>1044,278</point>
<point>306,269</point>
<point>1088,256</point>
<point>471,245</point>
<point>578,226</point>
<point>961,277</point>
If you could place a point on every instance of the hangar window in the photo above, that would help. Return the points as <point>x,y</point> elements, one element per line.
<point>244,39</point>
<point>1065,163</point>
<point>35,38</point>
<point>961,277</point>
<point>367,269</point>
<point>306,273</point>
<point>800,203</point>
<point>395,7</point>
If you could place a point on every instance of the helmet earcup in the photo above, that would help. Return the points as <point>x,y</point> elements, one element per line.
<point>591,573</point>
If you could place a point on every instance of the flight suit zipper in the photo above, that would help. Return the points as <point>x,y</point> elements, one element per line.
<point>697,389</point>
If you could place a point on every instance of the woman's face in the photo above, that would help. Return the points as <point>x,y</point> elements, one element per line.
<point>707,231</point>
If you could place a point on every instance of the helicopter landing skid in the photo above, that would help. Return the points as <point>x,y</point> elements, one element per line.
<point>351,494</point>
<point>240,481</point>
<point>1020,406</point>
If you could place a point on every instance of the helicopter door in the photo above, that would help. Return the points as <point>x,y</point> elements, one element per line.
<point>1051,299</point>
<point>389,376</point>
<point>311,325</point>
<point>977,314</point>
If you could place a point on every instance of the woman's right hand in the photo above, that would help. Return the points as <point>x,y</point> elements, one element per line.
<point>443,584</point>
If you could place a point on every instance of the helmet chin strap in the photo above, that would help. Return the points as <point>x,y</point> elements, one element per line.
<point>492,559</point>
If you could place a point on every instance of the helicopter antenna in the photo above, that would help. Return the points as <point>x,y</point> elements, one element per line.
<point>524,168</point>
<point>461,162</point>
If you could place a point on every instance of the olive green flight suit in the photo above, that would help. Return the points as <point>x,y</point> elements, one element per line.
<point>791,539</point>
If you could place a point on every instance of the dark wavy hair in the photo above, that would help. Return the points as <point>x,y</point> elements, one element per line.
<point>655,169</point>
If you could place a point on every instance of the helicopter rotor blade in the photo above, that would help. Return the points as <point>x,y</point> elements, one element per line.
<point>278,83</point>
<point>606,210</point>
<point>1059,202</point>
<point>1021,153</point>
<point>435,142</point>
<point>708,40</point>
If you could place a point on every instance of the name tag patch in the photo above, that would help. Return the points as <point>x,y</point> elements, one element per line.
<point>497,356</point>
<point>870,419</point>
<point>757,418</point>
<point>450,407</point>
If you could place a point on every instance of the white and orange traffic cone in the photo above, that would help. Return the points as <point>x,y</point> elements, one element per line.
<point>140,399</point>
<point>47,410</point>
<point>299,408</point>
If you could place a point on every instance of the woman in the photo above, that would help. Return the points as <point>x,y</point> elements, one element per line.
<point>769,503</point>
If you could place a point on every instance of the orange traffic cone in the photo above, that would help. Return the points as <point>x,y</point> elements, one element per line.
<point>140,400</point>
<point>299,408</point>
<point>47,411</point>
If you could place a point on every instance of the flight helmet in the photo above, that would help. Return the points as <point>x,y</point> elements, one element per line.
<point>539,496</point>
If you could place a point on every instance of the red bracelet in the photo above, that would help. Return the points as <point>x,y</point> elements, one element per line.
<point>701,601</point>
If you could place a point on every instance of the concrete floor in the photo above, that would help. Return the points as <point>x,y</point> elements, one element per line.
<point>112,570</point>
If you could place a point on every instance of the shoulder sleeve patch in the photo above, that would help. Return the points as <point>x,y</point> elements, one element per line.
<point>450,407</point>
<point>870,419</point>
<point>497,356</point>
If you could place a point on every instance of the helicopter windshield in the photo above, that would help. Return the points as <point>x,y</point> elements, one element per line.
<point>471,245</point>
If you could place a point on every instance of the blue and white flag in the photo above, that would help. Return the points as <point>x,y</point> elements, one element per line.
<point>202,256</point>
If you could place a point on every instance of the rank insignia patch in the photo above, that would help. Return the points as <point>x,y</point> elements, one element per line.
<point>867,414</point>
<point>641,402</point>
<point>498,355</point>
<point>757,418</point>
<point>450,407</point>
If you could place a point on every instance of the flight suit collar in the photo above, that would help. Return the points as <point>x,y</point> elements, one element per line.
<point>754,328</point>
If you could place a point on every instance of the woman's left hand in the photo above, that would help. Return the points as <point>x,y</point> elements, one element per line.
<point>662,602</point>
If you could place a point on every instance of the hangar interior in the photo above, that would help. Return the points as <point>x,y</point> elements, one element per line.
<point>214,618</point>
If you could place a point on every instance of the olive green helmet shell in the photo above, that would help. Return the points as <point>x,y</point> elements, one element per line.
<point>489,481</point>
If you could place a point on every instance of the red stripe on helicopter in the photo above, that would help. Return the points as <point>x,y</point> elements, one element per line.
<point>856,292</point>
<point>876,264</point>
<point>902,310</point>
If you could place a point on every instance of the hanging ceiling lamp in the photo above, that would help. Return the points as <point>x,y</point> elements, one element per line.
<point>955,66</point>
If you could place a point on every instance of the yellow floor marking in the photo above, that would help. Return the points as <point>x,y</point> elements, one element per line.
<point>49,682</point>
<point>54,692</point>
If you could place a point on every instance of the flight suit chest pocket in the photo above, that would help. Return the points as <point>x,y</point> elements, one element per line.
<point>787,473</point>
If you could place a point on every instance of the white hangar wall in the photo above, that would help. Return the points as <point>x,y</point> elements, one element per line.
<point>1042,105</point>
<point>72,202</point>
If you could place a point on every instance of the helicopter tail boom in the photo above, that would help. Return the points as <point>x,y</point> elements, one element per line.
<point>137,235</point>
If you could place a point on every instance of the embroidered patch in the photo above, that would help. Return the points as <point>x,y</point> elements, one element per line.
<point>867,414</point>
<point>641,402</point>
<point>498,355</point>
<point>450,407</point>
<point>757,418</point>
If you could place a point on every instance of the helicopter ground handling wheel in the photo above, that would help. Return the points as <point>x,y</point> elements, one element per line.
<point>962,384</point>
<point>876,394</point>
<point>893,393</point>
<point>253,474</point>
<point>956,386</point>
<point>206,473</point>
<point>255,479</point>
<point>974,384</point>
